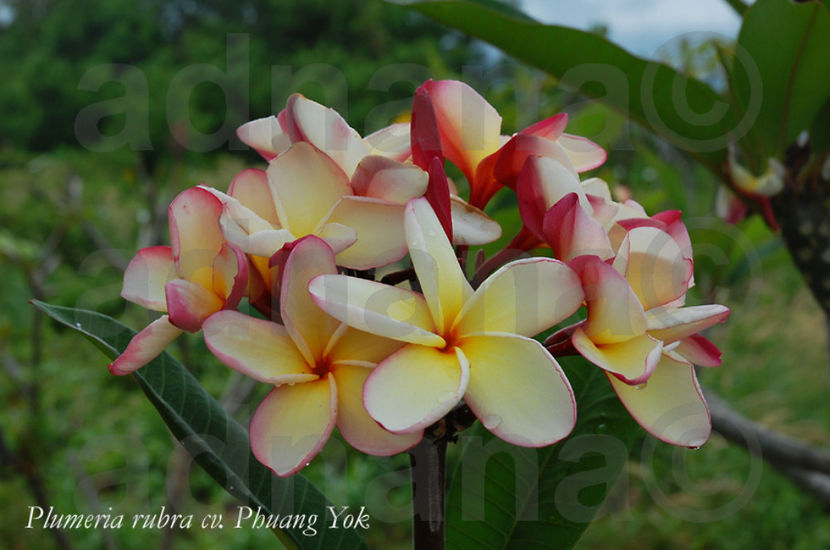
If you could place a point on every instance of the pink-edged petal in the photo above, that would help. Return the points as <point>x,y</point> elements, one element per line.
<point>357,427</point>
<point>598,188</point>
<point>195,235</point>
<point>376,308</point>
<point>393,141</point>
<point>632,361</point>
<point>541,184</point>
<point>523,297</point>
<point>674,226</point>
<point>146,274</point>
<point>306,185</point>
<point>339,237</point>
<point>699,350</point>
<point>251,188</point>
<point>550,128</point>
<point>326,130</point>
<point>293,423</point>
<point>415,386</point>
<point>379,228</point>
<point>654,266</point>
<point>310,327</point>
<point>470,127</point>
<point>442,281</point>
<point>438,194</point>
<point>230,275</point>
<point>523,147</point>
<point>256,348</point>
<point>615,314</point>
<point>265,136</point>
<point>670,406</point>
<point>471,226</point>
<point>672,324</point>
<point>424,136</point>
<point>357,348</point>
<point>571,232</point>
<point>145,346</point>
<point>387,179</point>
<point>518,390</point>
<point>189,304</point>
<point>584,153</point>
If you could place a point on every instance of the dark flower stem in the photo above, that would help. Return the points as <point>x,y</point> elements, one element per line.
<point>428,460</point>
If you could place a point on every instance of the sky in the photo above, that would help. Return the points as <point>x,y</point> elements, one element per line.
<point>641,26</point>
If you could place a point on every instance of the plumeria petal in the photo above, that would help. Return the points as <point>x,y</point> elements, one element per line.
<point>195,235</point>
<point>523,297</point>
<point>584,153</point>
<point>230,275</point>
<point>415,386</point>
<point>670,405</point>
<point>633,361</point>
<point>145,346</point>
<point>571,232</point>
<point>699,350</point>
<point>293,423</point>
<point>393,141</point>
<point>338,236</point>
<point>654,266</point>
<point>379,228</point>
<point>442,281</point>
<point>550,128</point>
<point>306,184</point>
<point>146,275</point>
<point>326,130</point>
<point>265,136</point>
<point>257,348</point>
<point>387,179</point>
<point>471,226</point>
<point>470,127</point>
<point>251,188</point>
<point>615,314</point>
<point>530,403</point>
<point>308,325</point>
<point>523,147</point>
<point>376,308</point>
<point>355,424</point>
<point>672,324</point>
<point>189,304</point>
<point>357,348</point>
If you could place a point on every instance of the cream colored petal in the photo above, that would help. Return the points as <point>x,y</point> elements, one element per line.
<point>306,186</point>
<point>376,308</point>
<point>471,226</point>
<point>670,405</point>
<point>195,236</point>
<point>251,188</point>
<point>256,348</point>
<point>442,281</point>
<point>517,390</point>
<point>415,387</point>
<point>672,324</point>
<point>523,297</point>
<point>632,361</point>
<point>355,424</point>
<point>358,348</point>
<point>293,423</point>
<point>379,228</point>
<point>145,346</point>
<point>146,274</point>
<point>393,141</point>
<point>310,327</point>
<point>387,179</point>
<point>615,313</point>
<point>265,136</point>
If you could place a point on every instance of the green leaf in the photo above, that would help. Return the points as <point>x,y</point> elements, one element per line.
<point>790,44</point>
<point>504,496</point>
<point>684,110</point>
<point>215,440</point>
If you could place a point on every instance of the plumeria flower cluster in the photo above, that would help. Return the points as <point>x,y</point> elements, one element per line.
<point>384,358</point>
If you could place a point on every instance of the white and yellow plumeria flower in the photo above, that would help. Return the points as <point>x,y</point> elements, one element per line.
<point>462,343</point>
<point>639,335</point>
<point>198,275</point>
<point>317,365</point>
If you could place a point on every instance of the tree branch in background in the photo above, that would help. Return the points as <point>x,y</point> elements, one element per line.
<point>807,466</point>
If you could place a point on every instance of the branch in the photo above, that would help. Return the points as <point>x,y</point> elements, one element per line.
<point>807,466</point>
